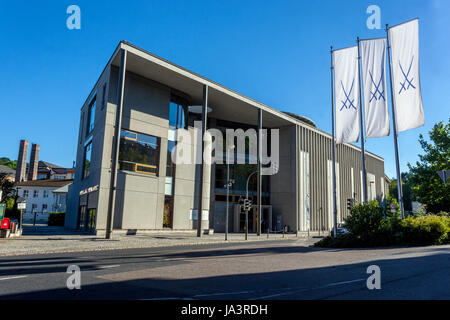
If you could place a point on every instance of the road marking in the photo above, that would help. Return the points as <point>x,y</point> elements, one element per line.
<point>307,289</point>
<point>339,283</point>
<point>111,266</point>
<point>13,277</point>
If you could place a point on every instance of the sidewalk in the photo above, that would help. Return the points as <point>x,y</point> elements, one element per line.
<point>36,240</point>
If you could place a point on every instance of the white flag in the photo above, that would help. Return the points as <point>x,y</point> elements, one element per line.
<point>373,53</point>
<point>346,86</point>
<point>404,40</point>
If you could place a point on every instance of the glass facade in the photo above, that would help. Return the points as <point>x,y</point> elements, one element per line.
<point>139,152</point>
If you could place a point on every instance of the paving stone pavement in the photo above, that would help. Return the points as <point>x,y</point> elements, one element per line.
<point>41,239</point>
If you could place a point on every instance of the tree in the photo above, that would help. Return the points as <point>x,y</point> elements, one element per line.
<point>6,186</point>
<point>407,190</point>
<point>427,186</point>
<point>8,163</point>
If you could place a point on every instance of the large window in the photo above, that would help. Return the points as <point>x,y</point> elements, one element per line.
<point>87,160</point>
<point>91,115</point>
<point>139,152</point>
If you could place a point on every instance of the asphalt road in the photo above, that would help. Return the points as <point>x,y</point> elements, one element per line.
<point>265,270</point>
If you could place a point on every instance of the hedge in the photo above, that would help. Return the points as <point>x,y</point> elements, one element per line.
<point>56,219</point>
<point>370,225</point>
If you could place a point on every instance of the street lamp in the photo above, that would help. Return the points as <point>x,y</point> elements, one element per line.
<point>275,169</point>
<point>228,185</point>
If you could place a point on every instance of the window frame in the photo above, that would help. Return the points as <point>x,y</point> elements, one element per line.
<point>87,144</point>
<point>134,136</point>
<point>91,114</point>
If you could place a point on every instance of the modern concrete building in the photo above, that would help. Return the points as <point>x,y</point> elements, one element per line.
<point>131,114</point>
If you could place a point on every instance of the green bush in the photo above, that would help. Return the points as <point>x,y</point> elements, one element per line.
<point>56,219</point>
<point>370,225</point>
<point>365,219</point>
<point>425,229</point>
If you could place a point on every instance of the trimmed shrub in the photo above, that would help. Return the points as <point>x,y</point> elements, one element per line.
<point>56,219</point>
<point>425,230</point>
<point>369,225</point>
<point>365,219</point>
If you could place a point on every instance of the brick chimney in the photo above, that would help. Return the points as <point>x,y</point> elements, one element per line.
<point>34,162</point>
<point>22,161</point>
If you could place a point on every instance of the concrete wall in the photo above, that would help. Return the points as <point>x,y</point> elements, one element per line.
<point>97,136</point>
<point>139,197</point>
<point>319,148</point>
<point>283,184</point>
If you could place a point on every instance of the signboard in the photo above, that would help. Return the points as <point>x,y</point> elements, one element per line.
<point>89,190</point>
<point>22,205</point>
<point>194,214</point>
<point>392,205</point>
<point>2,210</point>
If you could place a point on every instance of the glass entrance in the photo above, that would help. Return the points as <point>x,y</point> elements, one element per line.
<point>82,217</point>
<point>92,213</point>
<point>168,212</point>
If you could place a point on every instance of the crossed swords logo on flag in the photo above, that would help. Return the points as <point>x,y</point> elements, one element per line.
<point>373,64</point>
<point>406,79</point>
<point>347,98</point>
<point>377,88</point>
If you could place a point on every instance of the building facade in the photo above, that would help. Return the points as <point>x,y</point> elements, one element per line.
<point>43,197</point>
<point>144,99</point>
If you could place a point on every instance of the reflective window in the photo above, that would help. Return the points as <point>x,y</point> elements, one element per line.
<point>138,152</point>
<point>176,116</point>
<point>87,160</point>
<point>170,167</point>
<point>91,116</point>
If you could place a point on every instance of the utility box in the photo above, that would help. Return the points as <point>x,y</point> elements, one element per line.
<point>5,223</point>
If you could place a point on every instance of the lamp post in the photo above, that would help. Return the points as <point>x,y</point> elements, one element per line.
<point>228,185</point>
<point>246,211</point>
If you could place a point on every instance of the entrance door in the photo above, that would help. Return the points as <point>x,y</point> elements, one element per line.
<point>82,217</point>
<point>92,213</point>
<point>168,212</point>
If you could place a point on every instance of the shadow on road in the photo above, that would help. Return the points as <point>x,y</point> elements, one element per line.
<point>402,278</point>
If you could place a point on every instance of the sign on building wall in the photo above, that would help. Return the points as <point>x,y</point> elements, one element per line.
<point>194,214</point>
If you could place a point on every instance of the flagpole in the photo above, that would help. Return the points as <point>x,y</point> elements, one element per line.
<point>333,145</point>
<point>394,125</point>
<point>361,128</point>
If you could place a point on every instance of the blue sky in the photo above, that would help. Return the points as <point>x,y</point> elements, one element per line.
<point>276,52</point>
